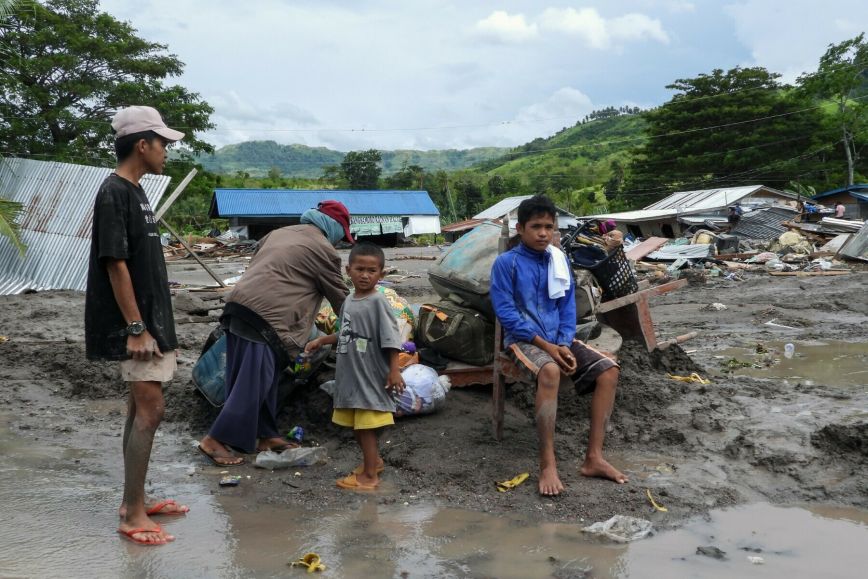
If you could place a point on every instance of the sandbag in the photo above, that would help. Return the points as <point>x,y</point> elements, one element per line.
<point>456,332</point>
<point>463,274</point>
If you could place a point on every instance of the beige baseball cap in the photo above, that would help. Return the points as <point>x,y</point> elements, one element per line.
<point>138,119</point>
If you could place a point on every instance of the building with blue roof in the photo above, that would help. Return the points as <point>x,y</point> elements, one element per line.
<point>854,198</point>
<point>381,216</point>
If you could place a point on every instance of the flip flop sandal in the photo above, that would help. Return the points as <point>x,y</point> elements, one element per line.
<point>361,469</point>
<point>157,509</point>
<point>215,459</point>
<point>128,535</point>
<point>351,483</point>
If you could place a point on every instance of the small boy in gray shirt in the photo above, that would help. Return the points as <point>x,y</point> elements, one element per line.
<point>368,343</point>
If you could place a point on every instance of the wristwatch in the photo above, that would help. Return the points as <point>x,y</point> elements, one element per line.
<point>135,328</point>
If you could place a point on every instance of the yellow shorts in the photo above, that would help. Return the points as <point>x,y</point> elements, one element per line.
<point>359,419</point>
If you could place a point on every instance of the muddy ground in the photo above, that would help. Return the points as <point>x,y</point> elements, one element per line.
<point>740,439</point>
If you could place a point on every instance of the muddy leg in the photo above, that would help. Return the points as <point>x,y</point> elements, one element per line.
<point>147,403</point>
<point>602,403</point>
<point>548,380</point>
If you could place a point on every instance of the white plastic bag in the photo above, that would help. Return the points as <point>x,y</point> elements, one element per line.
<point>301,456</point>
<point>424,391</point>
<point>621,529</point>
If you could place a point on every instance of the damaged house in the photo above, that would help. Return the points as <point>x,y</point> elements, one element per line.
<point>674,215</point>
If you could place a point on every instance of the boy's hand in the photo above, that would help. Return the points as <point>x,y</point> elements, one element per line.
<point>563,357</point>
<point>395,382</point>
<point>312,346</point>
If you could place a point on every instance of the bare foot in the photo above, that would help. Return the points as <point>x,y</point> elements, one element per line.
<point>599,468</point>
<point>218,453</point>
<point>276,444</point>
<point>550,484</point>
<point>158,507</point>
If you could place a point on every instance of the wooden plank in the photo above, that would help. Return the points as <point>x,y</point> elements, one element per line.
<point>196,257</point>
<point>809,273</point>
<point>635,297</point>
<point>178,190</point>
<point>650,245</point>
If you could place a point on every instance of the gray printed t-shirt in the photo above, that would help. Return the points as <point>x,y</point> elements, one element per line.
<point>367,327</point>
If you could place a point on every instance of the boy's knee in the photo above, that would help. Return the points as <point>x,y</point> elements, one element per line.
<point>609,378</point>
<point>549,376</point>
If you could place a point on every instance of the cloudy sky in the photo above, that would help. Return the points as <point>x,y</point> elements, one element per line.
<point>431,74</point>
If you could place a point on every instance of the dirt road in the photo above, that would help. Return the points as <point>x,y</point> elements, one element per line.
<point>740,439</point>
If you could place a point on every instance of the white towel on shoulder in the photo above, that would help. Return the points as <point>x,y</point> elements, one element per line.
<point>559,273</point>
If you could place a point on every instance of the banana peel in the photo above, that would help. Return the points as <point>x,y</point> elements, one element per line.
<point>311,561</point>
<point>510,484</point>
<point>692,378</point>
<point>654,504</point>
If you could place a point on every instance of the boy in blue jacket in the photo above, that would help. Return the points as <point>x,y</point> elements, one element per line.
<point>533,294</point>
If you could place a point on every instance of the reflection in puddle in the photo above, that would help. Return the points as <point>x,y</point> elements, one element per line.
<point>829,363</point>
<point>60,518</point>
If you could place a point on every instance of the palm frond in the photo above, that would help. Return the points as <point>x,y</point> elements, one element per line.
<point>10,211</point>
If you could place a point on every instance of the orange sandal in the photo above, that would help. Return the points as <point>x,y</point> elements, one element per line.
<point>351,483</point>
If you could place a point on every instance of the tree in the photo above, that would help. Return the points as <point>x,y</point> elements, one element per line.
<point>408,177</point>
<point>497,186</point>
<point>10,211</point>
<point>841,76</point>
<point>722,129</point>
<point>361,170</point>
<point>68,67</point>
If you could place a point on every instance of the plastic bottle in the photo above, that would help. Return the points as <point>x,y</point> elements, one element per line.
<point>302,456</point>
<point>789,350</point>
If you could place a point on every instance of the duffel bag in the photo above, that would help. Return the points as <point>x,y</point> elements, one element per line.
<point>456,332</point>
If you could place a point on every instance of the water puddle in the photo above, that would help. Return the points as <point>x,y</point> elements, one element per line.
<point>831,363</point>
<point>59,520</point>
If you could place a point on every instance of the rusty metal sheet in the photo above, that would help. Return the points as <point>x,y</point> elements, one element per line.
<point>56,224</point>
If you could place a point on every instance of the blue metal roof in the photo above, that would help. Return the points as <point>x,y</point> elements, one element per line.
<point>293,202</point>
<point>852,189</point>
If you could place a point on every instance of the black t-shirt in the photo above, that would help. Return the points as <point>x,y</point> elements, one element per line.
<point>124,227</point>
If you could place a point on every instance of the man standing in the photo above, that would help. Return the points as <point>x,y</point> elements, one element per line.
<point>128,308</point>
<point>840,209</point>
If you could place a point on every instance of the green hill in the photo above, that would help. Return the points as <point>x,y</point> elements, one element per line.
<point>574,165</point>
<point>256,158</point>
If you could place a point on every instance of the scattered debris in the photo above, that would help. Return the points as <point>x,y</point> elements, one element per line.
<point>711,551</point>
<point>621,529</point>
<point>510,484</point>
<point>654,503</point>
<point>716,307</point>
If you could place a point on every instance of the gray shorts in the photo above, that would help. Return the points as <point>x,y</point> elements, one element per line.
<point>590,363</point>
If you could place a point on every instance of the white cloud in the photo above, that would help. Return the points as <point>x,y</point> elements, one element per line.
<point>636,26</point>
<point>812,27</point>
<point>565,105</point>
<point>600,33</point>
<point>507,28</point>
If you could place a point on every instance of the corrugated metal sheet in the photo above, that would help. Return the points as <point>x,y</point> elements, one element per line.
<point>673,252</point>
<point>705,198</point>
<point>638,215</point>
<point>764,223</point>
<point>502,207</point>
<point>857,246</point>
<point>56,225</point>
<point>294,202</point>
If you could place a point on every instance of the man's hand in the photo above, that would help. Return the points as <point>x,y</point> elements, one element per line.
<point>395,382</point>
<point>143,347</point>
<point>563,357</point>
<point>313,346</point>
